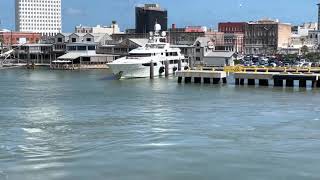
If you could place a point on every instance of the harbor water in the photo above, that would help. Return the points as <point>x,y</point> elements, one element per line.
<point>74,125</point>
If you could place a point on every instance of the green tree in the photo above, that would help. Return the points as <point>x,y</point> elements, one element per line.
<point>304,50</point>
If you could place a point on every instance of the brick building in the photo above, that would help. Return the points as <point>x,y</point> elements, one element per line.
<point>232,27</point>
<point>261,37</point>
<point>266,37</point>
<point>10,38</point>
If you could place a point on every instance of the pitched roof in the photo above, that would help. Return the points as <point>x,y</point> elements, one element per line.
<point>203,41</point>
<point>140,41</point>
<point>223,54</point>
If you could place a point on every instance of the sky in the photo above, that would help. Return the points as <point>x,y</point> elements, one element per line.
<point>181,12</point>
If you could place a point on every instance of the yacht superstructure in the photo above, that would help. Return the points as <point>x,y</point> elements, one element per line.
<point>157,52</point>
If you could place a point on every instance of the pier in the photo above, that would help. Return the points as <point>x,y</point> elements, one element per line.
<point>277,77</point>
<point>202,76</point>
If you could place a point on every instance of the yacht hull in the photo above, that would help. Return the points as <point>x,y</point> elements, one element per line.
<point>138,70</point>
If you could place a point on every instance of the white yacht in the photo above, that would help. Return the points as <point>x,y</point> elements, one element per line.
<point>156,51</point>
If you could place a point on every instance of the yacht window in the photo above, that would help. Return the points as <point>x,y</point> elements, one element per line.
<point>140,55</point>
<point>170,53</point>
<point>167,54</point>
<point>175,54</point>
<point>171,61</point>
<point>148,64</point>
<point>91,48</point>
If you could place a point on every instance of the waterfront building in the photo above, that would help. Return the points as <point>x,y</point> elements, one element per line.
<point>39,53</point>
<point>38,16</point>
<point>219,58</point>
<point>11,38</point>
<point>148,15</point>
<point>81,50</point>
<point>122,48</point>
<point>266,37</point>
<point>112,29</point>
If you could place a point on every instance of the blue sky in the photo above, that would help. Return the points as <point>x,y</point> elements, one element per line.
<point>181,12</point>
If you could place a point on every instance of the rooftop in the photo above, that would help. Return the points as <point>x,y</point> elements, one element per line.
<point>224,54</point>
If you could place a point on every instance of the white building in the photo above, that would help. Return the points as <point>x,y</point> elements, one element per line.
<point>39,16</point>
<point>306,27</point>
<point>112,29</point>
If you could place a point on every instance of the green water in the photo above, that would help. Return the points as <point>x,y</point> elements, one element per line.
<point>64,125</point>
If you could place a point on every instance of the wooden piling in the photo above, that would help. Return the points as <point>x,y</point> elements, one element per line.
<point>302,83</point>
<point>166,71</point>
<point>263,82</point>
<point>151,70</point>
<point>187,80</point>
<point>278,83</point>
<point>179,65</point>
<point>216,80</point>
<point>206,80</point>
<point>289,82</point>
<point>251,82</point>
<point>237,81</point>
<point>241,81</point>
<point>224,80</point>
<point>197,80</point>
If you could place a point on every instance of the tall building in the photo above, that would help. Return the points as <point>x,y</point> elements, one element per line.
<point>38,16</point>
<point>318,16</point>
<point>148,15</point>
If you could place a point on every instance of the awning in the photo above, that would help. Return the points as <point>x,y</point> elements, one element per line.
<point>71,55</point>
<point>61,61</point>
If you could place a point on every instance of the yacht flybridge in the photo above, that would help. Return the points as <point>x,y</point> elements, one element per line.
<point>157,51</point>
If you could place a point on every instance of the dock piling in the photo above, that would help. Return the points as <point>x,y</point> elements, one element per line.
<point>241,81</point>
<point>302,83</point>
<point>187,80</point>
<point>263,82</point>
<point>278,82</point>
<point>206,80</point>
<point>290,83</point>
<point>197,80</point>
<point>179,65</point>
<point>251,82</point>
<point>166,71</point>
<point>151,70</point>
<point>237,81</point>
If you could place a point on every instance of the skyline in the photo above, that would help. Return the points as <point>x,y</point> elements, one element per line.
<point>204,12</point>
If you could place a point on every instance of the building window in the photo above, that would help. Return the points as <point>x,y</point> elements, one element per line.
<point>88,39</point>
<point>59,40</point>
<point>197,58</point>
<point>72,48</point>
<point>74,40</point>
